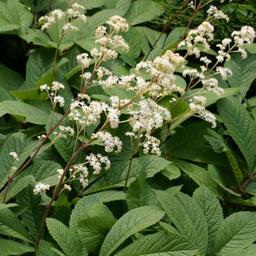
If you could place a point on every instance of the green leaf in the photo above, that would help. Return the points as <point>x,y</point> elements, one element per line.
<point>45,249</point>
<point>63,145</point>
<point>9,79</point>
<point>4,206</point>
<point>200,176</point>
<point>171,172</point>
<point>212,211</point>
<point>238,231</point>
<point>187,217</point>
<point>240,127</point>
<point>16,142</point>
<point>30,113</point>
<point>14,16</point>
<point>91,220</point>
<point>9,247</point>
<point>140,193</point>
<point>158,244</point>
<point>32,213</point>
<point>129,224</point>
<point>10,225</point>
<point>65,238</point>
<point>174,37</point>
<point>117,174</point>
<point>187,143</point>
<point>243,72</point>
<point>143,11</point>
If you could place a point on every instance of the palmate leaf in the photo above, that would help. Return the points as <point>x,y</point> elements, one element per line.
<point>130,223</point>
<point>160,243</point>
<point>66,239</point>
<point>240,127</point>
<point>212,211</point>
<point>238,231</point>
<point>187,216</point>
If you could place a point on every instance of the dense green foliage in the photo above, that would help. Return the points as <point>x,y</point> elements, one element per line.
<point>186,187</point>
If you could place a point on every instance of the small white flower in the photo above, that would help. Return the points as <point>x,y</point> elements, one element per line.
<point>14,155</point>
<point>40,187</point>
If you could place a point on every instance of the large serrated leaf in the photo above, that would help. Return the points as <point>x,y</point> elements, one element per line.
<point>30,113</point>
<point>212,211</point>
<point>187,217</point>
<point>16,142</point>
<point>143,10</point>
<point>160,243</point>
<point>10,225</point>
<point>243,72</point>
<point>238,231</point>
<point>91,220</point>
<point>66,239</point>
<point>240,127</point>
<point>117,174</point>
<point>9,247</point>
<point>32,213</point>
<point>129,224</point>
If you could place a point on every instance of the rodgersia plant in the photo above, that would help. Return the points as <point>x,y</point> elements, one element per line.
<point>138,107</point>
<point>150,83</point>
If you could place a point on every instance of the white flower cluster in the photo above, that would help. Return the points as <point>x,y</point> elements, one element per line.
<point>52,92</point>
<point>212,85</point>
<point>197,106</point>
<point>151,145</point>
<point>148,116</point>
<point>214,13</point>
<point>111,143</point>
<point>201,36</point>
<point>40,187</point>
<point>96,161</point>
<point>14,155</point>
<point>75,12</point>
<point>81,171</point>
<point>64,131</point>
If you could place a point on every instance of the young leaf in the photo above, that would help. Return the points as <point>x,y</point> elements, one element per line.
<point>240,127</point>
<point>130,223</point>
<point>187,216</point>
<point>66,239</point>
<point>238,231</point>
<point>212,211</point>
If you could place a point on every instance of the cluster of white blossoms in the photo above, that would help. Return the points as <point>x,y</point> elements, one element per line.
<point>214,13</point>
<point>147,85</point>
<point>40,187</point>
<point>148,117</point>
<point>52,93</point>
<point>64,131</point>
<point>66,18</point>
<point>15,159</point>
<point>197,106</point>
<point>111,143</point>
